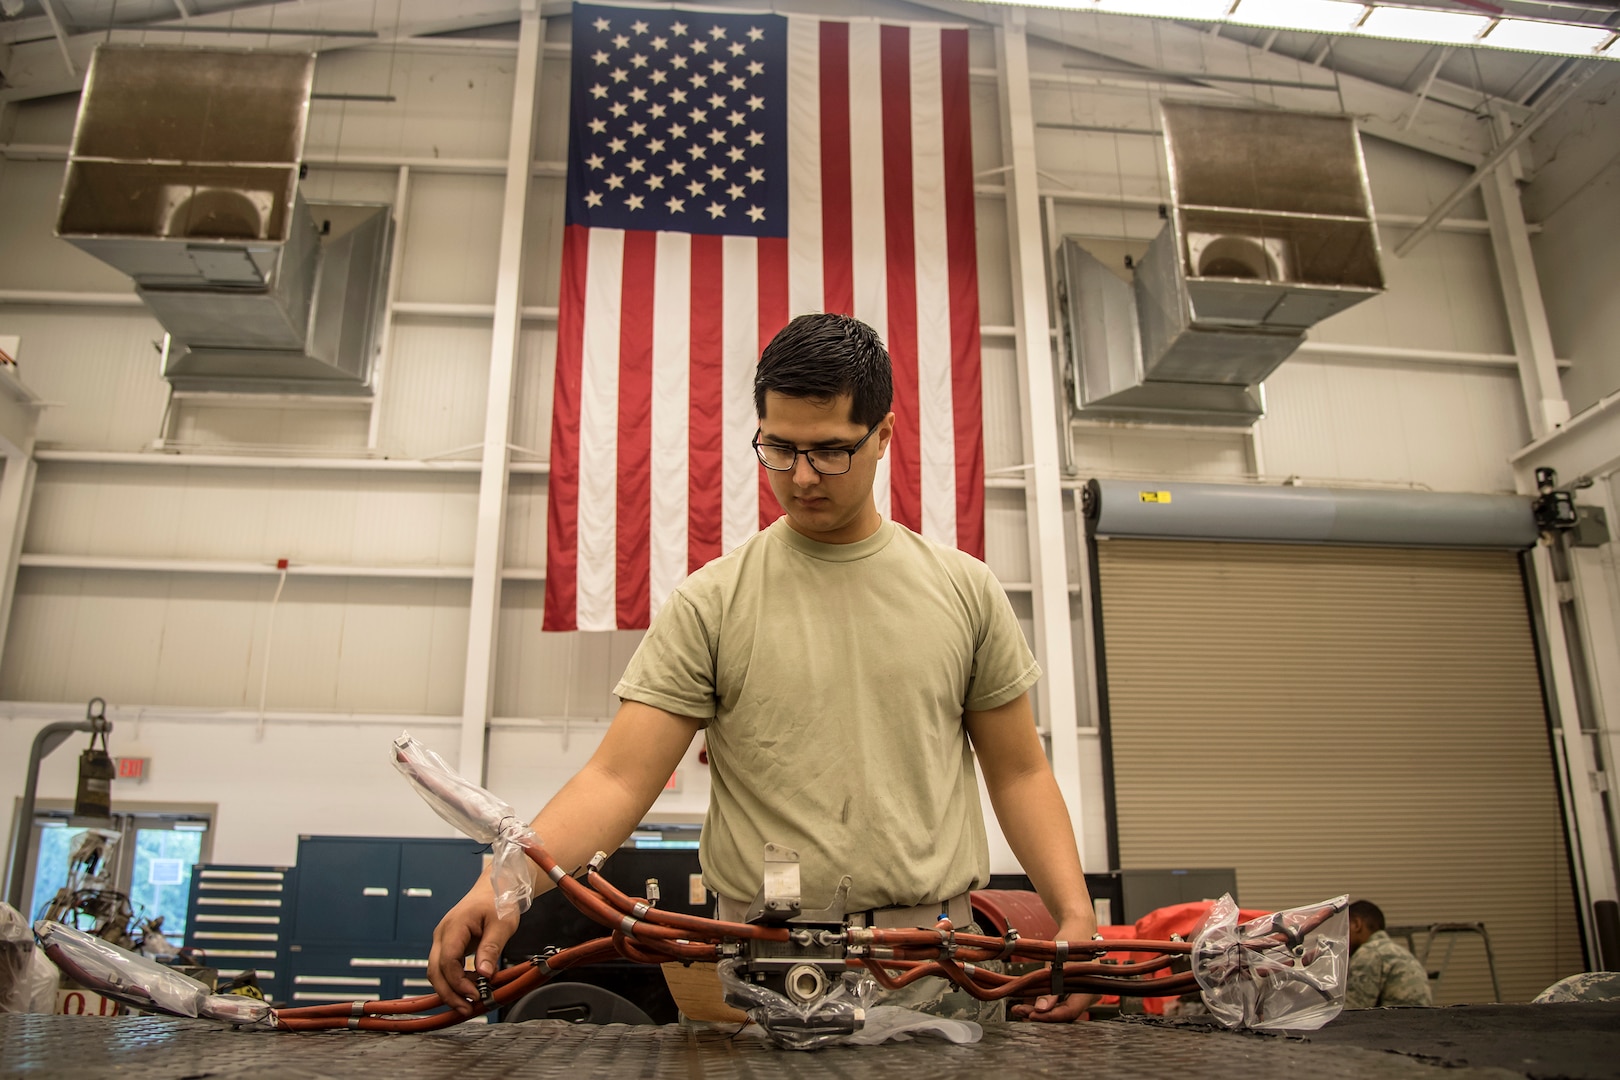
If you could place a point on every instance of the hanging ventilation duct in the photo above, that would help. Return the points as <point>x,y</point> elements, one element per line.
<point>184,175</point>
<point>1268,232</point>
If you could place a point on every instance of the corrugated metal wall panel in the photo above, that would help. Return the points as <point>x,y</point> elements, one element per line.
<point>1449,429</point>
<point>534,382</point>
<point>251,514</point>
<point>435,389</point>
<point>350,185</point>
<point>1006,534</point>
<point>1161,452</point>
<point>100,367</point>
<point>526,522</point>
<point>1003,445</point>
<point>542,674</point>
<point>449,104</point>
<point>1332,720</point>
<point>452,231</point>
<point>542,242</point>
<point>34,258</point>
<point>331,426</point>
<point>195,639</point>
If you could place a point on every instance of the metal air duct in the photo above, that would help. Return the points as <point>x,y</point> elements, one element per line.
<point>1268,232</point>
<point>184,174</point>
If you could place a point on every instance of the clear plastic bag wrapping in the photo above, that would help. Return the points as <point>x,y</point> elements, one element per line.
<point>845,1016</point>
<point>477,813</point>
<point>1250,980</point>
<point>27,978</point>
<point>118,974</point>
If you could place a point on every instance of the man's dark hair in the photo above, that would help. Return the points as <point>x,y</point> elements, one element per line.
<point>1368,913</point>
<point>823,355</point>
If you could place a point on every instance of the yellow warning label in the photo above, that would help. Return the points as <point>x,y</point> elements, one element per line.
<point>1156,496</point>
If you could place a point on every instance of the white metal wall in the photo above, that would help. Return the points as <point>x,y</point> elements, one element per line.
<point>1415,388</point>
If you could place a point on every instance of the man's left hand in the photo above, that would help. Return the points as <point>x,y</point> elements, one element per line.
<point>1066,1008</point>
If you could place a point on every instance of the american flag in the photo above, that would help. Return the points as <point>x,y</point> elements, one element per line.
<point>727,171</point>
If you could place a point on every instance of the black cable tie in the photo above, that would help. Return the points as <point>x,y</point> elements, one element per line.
<point>1057,967</point>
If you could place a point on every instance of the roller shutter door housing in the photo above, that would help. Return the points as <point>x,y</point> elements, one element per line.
<point>1332,719</point>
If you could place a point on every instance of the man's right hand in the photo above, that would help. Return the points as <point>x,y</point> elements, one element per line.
<point>471,922</point>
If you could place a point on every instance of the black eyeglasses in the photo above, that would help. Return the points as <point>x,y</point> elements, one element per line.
<point>827,461</point>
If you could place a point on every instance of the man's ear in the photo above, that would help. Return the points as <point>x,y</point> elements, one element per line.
<point>885,432</point>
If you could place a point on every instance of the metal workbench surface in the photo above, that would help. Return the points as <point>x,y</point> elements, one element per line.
<point>40,1047</point>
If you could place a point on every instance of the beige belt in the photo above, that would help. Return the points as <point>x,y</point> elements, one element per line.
<point>959,909</point>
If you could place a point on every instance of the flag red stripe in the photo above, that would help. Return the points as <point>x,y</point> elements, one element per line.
<point>967,388</point>
<point>837,247</point>
<point>899,225</point>
<point>632,551</point>
<point>707,404</point>
<point>773,315</point>
<point>562,516</point>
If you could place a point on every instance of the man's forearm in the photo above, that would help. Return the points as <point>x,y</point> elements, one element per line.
<point>1035,821</point>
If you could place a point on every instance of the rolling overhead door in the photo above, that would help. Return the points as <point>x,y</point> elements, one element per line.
<point>1342,719</point>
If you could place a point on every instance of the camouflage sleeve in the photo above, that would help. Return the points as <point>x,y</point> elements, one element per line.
<point>1362,984</point>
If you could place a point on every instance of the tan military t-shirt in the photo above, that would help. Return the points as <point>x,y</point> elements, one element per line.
<point>834,679</point>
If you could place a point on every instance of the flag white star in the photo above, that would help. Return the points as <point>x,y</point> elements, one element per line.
<point>638,94</point>
<point>717,173</point>
<point>756,213</point>
<point>618,109</point>
<point>615,181</point>
<point>616,145</point>
<point>598,126</point>
<point>755,138</point>
<point>675,205</point>
<point>658,76</point>
<point>593,198</point>
<point>717,32</point>
<point>717,66</point>
<point>657,111</point>
<point>599,91</point>
<point>717,136</point>
<point>738,48</point>
<point>717,101</point>
<point>659,43</point>
<point>601,25</point>
<point>756,68</point>
<point>716,211</point>
<point>654,181</point>
<point>637,130</point>
<point>599,56</point>
<point>755,175</point>
<point>638,61</point>
<point>755,33</point>
<point>677,131</point>
<point>695,151</point>
<point>655,146</point>
<point>735,153</point>
<point>678,96</point>
<point>700,46</point>
<point>736,82</point>
<point>619,74</point>
<point>635,202</point>
<point>756,103</point>
<point>735,191</point>
<point>699,115</point>
<point>621,42</point>
<point>678,29</point>
<point>677,61</point>
<point>699,81</point>
<point>677,168</point>
<point>638,27</point>
<point>595,161</point>
<point>635,165</point>
<point>735,117</point>
<point>695,187</point>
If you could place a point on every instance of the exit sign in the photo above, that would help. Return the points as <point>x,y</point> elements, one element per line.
<point>134,768</point>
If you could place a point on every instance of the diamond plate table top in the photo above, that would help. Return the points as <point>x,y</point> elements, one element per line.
<point>41,1047</point>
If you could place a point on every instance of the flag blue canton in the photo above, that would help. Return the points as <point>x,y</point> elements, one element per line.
<point>678,121</point>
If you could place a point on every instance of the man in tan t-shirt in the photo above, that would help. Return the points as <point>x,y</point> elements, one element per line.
<point>848,673</point>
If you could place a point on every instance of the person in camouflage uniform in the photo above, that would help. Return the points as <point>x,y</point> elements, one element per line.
<point>1382,972</point>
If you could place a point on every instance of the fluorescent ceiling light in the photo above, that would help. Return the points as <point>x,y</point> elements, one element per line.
<point>1547,37</point>
<point>1613,51</point>
<point>1196,10</point>
<point>1320,16</point>
<point>1418,24</point>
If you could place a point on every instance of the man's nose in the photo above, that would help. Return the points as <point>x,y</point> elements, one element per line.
<point>804,473</point>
